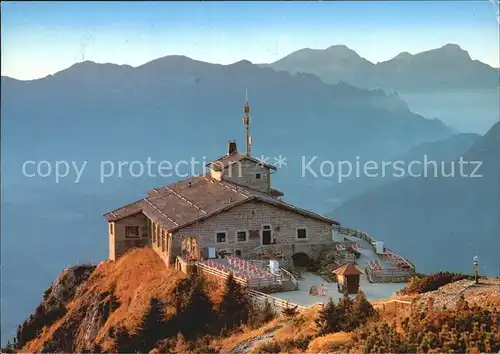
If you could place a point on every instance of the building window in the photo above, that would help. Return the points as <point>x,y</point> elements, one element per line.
<point>237,253</point>
<point>302,234</point>
<point>111,228</point>
<point>221,236</point>
<point>258,176</point>
<point>132,231</point>
<point>241,236</point>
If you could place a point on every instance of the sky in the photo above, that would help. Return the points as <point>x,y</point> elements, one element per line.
<point>39,39</point>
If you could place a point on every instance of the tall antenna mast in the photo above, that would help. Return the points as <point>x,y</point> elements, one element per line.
<point>246,122</point>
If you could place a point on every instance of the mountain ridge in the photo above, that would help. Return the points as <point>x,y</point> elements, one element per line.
<point>445,67</point>
<point>194,89</point>
<point>449,48</point>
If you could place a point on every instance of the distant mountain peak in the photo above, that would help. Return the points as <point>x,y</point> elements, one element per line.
<point>454,49</point>
<point>449,50</point>
<point>452,46</point>
<point>342,50</point>
<point>339,47</point>
<point>171,59</point>
<point>242,63</point>
<point>321,57</point>
<point>83,64</point>
<point>403,55</point>
<point>445,67</point>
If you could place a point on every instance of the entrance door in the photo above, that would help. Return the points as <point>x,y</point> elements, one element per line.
<point>266,235</point>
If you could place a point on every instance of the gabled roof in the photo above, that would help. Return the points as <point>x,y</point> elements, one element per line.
<point>273,200</point>
<point>228,160</point>
<point>182,202</point>
<point>347,269</point>
<point>185,202</point>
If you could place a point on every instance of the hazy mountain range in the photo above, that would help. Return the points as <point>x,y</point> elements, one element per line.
<point>445,150</point>
<point>448,67</point>
<point>179,106</point>
<point>175,108</point>
<point>442,222</point>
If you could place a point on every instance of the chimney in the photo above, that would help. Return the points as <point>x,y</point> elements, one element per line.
<point>231,147</point>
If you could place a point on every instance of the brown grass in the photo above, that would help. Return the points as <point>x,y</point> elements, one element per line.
<point>136,278</point>
<point>225,345</point>
<point>333,342</point>
<point>214,291</point>
<point>306,327</point>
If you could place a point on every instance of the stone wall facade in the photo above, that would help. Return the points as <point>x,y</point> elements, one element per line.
<point>161,242</point>
<point>251,217</point>
<point>119,243</point>
<point>313,250</point>
<point>246,173</point>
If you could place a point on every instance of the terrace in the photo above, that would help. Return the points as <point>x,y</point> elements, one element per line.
<point>384,267</point>
<point>247,274</point>
<point>372,291</point>
<point>381,266</point>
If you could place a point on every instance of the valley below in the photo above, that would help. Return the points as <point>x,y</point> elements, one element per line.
<point>468,111</point>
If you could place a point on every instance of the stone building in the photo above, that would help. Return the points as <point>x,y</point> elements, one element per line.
<point>231,209</point>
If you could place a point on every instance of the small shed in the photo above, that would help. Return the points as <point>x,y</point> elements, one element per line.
<point>348,278</point>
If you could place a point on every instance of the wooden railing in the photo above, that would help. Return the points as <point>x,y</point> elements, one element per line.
<point>365,236</point>
<point>256,283</point>
<point>280,304</point>
<point>283,250</point>
<point>254,251</point>
<point>184,265</point>
<point>277,303</point>
<point>397,307</point>
<point>353,232</point>
<point>391,272</point>
<point>279,250</point>
<point>410,264</point>
<point>397,260</point>
<point>219,273</point>
<point>289,276</point>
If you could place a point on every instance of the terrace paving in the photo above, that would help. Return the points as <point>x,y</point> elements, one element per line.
<point>373,291</point>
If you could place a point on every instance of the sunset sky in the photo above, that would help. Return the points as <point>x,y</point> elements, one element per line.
<point>42,38</point>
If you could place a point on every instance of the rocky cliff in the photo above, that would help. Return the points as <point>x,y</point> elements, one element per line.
<point>88,309</point>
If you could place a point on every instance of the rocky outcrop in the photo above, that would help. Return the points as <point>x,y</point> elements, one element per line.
<point>53,305</point>
<point>99,309</point>
<point>78,331</point>
<point>485,294</point>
